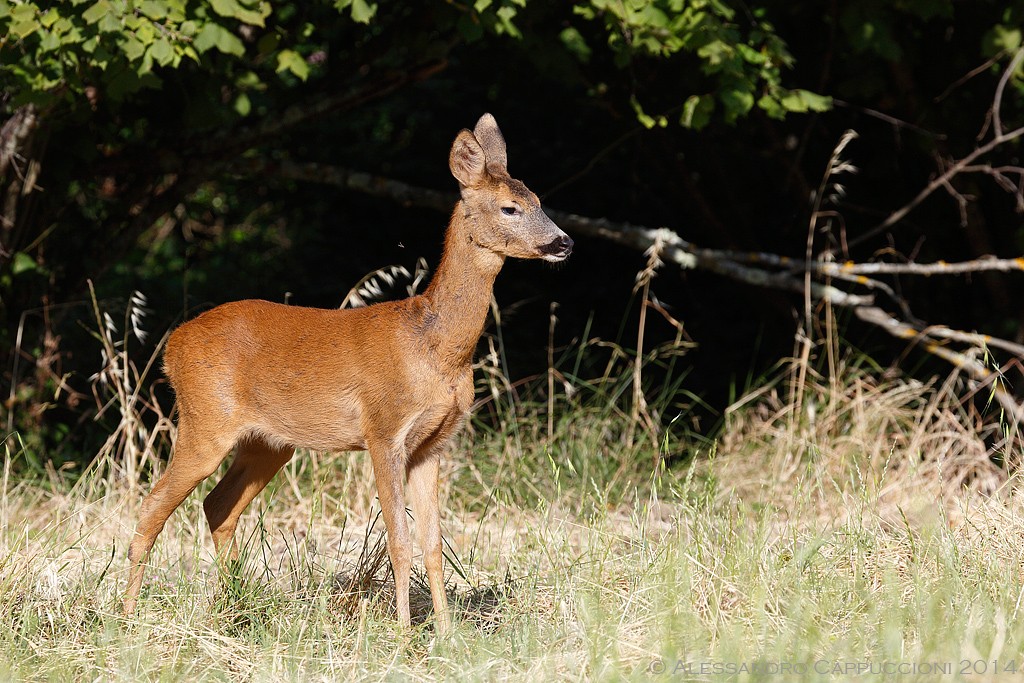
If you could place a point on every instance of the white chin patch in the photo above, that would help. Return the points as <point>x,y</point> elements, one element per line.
<point>555,258</point>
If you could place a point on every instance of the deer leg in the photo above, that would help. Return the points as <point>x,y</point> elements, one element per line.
<point>422,488</point>
<point>195,458</point>
<point>389,471</point>
<point>254,466</point>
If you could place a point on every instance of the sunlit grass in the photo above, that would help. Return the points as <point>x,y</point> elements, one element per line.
<point>833,524</point>
<point>576,560</point>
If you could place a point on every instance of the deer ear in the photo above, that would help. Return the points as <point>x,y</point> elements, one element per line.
<point>467,160</point>
<point>491,139</point>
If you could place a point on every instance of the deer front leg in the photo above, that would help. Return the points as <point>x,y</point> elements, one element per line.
<point>389,471</point>
<point>423,482</point>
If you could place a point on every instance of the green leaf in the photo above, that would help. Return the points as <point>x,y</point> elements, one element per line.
<point>96,12</point>
<point>715,53</point>
<point>132,48</point>
<point>801,101</point>
<point>243,105</point>
<point>697,111</point>
<point>23,29</point>
<point>646,119</point>
<point>505,16</point>
<point>750,55</point>
<point>110,23</point>
<point>63,25</point>
<point>226,8</point>
<point>23,12</point>
<point>49,42</point>
<point>153,9</point>
<point>206,39</point>
<point>216,36</point>
<point>235,10</point>
<point>363,11</point>
<point>49,18</point>
<point>814,101</point>
<point>574,42</point>
<point>162,52</point>
<point>771,106</point>
<point>146,33</point>
<point>290,60</point>
<point>1000,38</point>
<point>22,263</point>
<point>737,102</point>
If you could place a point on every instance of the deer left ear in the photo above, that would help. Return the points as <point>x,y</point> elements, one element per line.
<point>493,143</point>
<point>467,160</point>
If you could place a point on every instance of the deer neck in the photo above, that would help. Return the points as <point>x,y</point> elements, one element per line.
<point>460,293</point>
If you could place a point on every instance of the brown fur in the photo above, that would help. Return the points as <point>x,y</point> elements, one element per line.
<point>394,378</point>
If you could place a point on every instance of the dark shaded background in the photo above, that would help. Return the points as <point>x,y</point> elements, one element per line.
<point>896,70</point>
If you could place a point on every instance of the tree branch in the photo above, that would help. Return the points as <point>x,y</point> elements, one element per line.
<point>998,138</point>
<point>968,362</point>
<point>759,269</point>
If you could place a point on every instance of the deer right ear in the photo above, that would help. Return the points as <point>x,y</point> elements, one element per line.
<point>467,160</point>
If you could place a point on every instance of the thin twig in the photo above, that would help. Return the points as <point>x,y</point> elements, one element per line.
<point>999,138</point>
<point>997,99</point>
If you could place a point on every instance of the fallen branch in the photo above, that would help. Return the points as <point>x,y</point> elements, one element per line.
<point>968,362</point>
<point>758,269</point>
<point>762,269</point>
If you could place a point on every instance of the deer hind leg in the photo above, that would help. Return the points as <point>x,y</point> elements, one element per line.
<point>422,492</point>
<point>196,456</point>
<point>255,464</point>
<point>389,472</point>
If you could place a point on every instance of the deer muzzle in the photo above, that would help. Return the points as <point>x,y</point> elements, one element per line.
<point>557,249</point>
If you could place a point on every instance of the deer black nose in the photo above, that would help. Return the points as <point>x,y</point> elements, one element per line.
<point>557,249</point>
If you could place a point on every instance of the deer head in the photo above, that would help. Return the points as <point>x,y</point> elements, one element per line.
<point>503,215</point>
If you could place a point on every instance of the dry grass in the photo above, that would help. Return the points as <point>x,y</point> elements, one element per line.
<point>868,521</point>
<point>908,448</point>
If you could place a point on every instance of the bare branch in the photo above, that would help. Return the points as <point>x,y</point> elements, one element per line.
<point>758,269</point>
<point>968,362</point>
<point>997,99</point>
<point>999,138</point>
<point>891,120</point>
<point>980,265</point>
<point>14,133</point>
<point>981,68</point>
<point>639,237</point>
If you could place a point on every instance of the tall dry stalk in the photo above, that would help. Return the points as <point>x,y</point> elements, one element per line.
<point>143,429</point>
<point>552,321</point>
<point>827,193</point>
<point>640,413</point>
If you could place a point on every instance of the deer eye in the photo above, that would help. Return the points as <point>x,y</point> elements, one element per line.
<point>510,210</point>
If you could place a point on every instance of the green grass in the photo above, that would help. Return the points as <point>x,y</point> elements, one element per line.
<point>822,540</point>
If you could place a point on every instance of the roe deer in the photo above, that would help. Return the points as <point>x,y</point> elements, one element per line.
<point>394,378</point>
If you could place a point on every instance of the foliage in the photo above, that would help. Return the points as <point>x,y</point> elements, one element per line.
<point>745,67</point>
<point>59,52</point>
